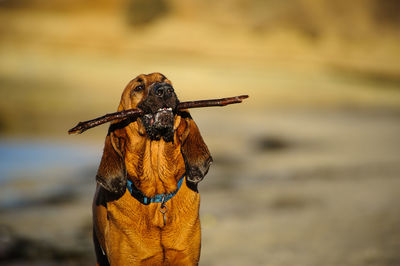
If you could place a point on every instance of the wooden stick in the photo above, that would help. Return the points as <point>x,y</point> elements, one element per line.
<point>214,102</point>
<point>83,126</point>
<point>135,113</point>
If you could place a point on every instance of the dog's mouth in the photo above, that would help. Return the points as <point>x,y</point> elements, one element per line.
<point>159,116</point>
<point>163,118</point>
<point>159,124</point>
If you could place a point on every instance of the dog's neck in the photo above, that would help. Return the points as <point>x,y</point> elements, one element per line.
<point>154,167</point>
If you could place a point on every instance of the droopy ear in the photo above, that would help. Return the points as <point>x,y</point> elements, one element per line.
<point>111,173</point>
<point>195,152</point>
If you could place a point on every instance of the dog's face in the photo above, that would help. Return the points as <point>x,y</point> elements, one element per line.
<point>153,93</point>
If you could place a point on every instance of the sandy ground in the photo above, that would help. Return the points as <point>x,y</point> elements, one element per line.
<point>286,188</point>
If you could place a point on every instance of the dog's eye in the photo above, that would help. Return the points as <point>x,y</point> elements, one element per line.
<point>139,88</point>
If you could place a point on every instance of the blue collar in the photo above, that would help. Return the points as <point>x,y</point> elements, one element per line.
<point>159,198</point>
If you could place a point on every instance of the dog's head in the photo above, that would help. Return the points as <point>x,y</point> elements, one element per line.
<point>154,94</point>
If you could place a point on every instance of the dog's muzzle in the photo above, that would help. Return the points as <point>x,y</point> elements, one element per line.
<point>159,108</point>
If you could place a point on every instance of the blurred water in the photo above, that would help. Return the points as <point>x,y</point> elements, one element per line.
<point>20,156</point>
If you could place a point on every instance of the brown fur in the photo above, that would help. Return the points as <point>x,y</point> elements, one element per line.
<point>126,232</point>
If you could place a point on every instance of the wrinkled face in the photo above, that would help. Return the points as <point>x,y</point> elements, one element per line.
<point>154,94</point>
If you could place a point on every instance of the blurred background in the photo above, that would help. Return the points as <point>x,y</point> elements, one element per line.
<point>306,171</point>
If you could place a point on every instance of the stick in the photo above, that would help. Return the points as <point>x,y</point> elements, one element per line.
<point>83,126</point>
<point>135,113</point>
<point>214,102</point>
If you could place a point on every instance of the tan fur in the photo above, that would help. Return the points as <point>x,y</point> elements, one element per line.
<point>128,232</point>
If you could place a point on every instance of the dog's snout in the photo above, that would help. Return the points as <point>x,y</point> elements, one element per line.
<point>163,90</point>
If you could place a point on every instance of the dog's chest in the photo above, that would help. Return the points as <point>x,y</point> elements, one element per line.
<point>154,166</point>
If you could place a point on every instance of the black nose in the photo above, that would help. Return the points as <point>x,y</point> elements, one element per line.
<point>163,90</point>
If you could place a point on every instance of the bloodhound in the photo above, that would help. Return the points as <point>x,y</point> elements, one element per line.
<point>146,205</point>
